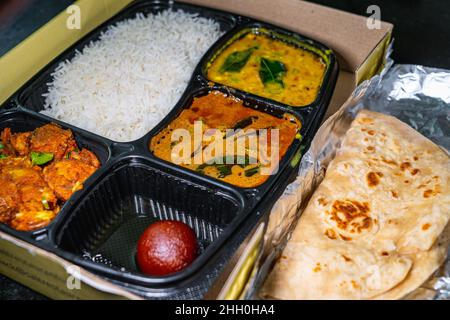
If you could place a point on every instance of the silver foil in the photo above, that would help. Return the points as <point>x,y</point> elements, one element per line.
<point>417,95</point>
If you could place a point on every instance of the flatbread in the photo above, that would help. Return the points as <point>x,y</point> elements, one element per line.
<point>370,229</point>
<point>425,263</point>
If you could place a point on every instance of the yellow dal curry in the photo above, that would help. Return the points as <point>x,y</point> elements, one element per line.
<point>269,68</point>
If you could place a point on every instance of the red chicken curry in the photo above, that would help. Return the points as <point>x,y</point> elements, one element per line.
<point>39,171</point>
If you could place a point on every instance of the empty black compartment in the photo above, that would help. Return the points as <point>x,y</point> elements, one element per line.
<point>102,231</point>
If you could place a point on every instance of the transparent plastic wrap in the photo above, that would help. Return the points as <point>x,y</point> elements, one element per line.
<point>420,97</point>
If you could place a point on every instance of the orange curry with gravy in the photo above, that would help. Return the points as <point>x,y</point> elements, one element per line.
<point>221,112</point>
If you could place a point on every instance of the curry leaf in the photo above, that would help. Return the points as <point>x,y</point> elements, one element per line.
<point>237,60</point>
<point>45,203</point>
<point>272,71</point>
<point>241,124</point>
<point>252,171</point>
<point>41,158</point>
<point>224,168</point>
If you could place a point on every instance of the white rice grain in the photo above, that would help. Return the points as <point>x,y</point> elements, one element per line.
<point>122,85</point>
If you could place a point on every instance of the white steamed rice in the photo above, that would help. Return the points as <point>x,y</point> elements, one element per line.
<point>122,85</point>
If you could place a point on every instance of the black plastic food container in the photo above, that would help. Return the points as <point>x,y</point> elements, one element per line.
<point>21,120</point>
<point>99,226</point>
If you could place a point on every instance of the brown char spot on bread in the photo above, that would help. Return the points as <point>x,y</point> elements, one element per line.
<point>345,238</point>
<point>347,259</point>
<point>355,284</point>
<point>330,234</point>
<point>350,214</point>
<point>317,268</point>
<point>322,201</point>
<point>372,179</point>
<point>426,226</point>
<point>405,165</point>
<point>388,161</point>
<point>427,193</point>
<point>366,120</point>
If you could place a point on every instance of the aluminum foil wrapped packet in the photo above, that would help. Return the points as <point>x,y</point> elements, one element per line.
<point>417,95</point>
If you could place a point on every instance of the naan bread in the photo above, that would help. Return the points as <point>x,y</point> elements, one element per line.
<point>370,230</point>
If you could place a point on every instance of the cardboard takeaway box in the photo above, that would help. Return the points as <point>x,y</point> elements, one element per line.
<point>360,51</point>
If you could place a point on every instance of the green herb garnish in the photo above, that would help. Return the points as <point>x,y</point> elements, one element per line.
<point>2,145</point>
<point>237,60</point>
<point>41,158</point>
<point>45,203</point>
<point>252,171</point>
<point>272,71</point>
<point>241,124</point>
<point>224,168</point>
<point>3,156</point>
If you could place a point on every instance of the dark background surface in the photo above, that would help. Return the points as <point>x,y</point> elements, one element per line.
<point>421,33</point>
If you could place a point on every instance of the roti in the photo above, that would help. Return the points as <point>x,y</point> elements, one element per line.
<point>374,228</point>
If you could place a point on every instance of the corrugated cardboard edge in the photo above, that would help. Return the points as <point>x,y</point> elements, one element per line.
<point>234,286</point>
<point>28,57</point>
<point>19,260</point>
<point>346,33</point>
<point>375,61</point>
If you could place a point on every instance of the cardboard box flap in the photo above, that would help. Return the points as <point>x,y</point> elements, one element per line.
<point>346,33</point>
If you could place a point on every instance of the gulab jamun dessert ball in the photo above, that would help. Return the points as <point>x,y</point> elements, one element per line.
<point>166,247</point>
